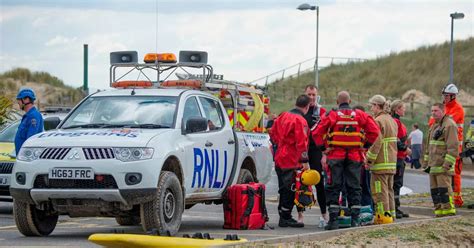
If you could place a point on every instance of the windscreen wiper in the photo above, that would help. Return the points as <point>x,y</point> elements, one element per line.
<point>90,125</point>
<point>148,125</point>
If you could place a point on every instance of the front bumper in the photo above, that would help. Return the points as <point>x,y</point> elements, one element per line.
<point>127,197</point>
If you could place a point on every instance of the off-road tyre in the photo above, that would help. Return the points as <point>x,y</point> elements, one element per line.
<point>31,221</point>
<point>164,212</point>
<point>245,176</point>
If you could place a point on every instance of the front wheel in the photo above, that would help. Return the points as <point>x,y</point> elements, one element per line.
<point>32,221</point>
<point>164,212</point>
<point>245,177</point>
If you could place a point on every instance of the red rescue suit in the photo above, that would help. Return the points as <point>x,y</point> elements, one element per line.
<point>456,111</point>
<point>290,134</point>
<point>342,130</point>
<point>402,139</point>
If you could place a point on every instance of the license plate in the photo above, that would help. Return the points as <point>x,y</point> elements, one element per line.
<point>71,173</point>
<point>5,180</point>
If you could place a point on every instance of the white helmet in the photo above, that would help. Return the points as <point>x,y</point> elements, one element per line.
<point>450,89</point>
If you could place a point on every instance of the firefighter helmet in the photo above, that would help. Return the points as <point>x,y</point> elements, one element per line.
<point>310,177</point>
<point>450,89</point>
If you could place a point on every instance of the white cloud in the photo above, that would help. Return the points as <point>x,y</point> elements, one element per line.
<point>243,44</point>
<point>60,40</point>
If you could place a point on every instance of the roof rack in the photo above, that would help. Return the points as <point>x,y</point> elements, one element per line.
<point>234,95</point>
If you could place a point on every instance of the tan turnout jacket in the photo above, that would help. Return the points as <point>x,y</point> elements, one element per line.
<point>441,149</point>
<point>382,155</point>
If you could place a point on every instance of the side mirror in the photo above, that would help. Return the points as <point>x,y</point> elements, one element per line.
<point>51,123</point>
<point>194,125</point>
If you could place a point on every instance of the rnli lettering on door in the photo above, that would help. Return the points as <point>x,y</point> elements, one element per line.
<point>207,163</point>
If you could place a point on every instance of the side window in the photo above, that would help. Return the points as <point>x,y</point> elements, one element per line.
<point>191,109</point>
<point>213,113</point>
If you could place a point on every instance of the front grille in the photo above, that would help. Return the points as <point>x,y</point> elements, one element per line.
<point>6,167</point>
<point>98,153</point>
<point>43,182</point>
<point>54,153</point>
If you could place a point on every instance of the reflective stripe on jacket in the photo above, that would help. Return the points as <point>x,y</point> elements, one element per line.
<point>442,146</point>
<point>382,155</point>
<point>342,148</point>
<point>455,110</point>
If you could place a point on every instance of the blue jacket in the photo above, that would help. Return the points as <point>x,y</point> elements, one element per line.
<point>31,124</point>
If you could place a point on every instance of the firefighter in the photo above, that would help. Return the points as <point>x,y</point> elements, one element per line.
<point>440,159</point>
<point>341,130</point>
<point>31,122</point>
<point>315,155</point>
<point>290,135</point>
<point>397,109</point>
<point>454,109</point>
<point>382,160</point>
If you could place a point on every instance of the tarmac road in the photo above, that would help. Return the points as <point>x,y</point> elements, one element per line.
<point>201,218</point>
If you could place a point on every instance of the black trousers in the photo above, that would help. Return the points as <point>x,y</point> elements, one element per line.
<point>315,156</point>
<point>349,172</point>
<point>287,196</point>
<point>398,181</point>
<point>366,198</point>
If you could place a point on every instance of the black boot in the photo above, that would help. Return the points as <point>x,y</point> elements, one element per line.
<point>333,223</point>
<point>355,212</point>
<point>401,214</point>
<point>289,223</point>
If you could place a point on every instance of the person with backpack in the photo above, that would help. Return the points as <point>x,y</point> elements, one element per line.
<point>290,135</point>
<point>341,129</point>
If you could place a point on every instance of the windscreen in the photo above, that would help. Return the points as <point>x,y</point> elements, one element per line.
<point>8,134</point>
<point>121,111</point>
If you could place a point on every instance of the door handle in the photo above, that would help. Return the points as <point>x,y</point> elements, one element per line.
<point>231,142</point>
<point>208,144</point>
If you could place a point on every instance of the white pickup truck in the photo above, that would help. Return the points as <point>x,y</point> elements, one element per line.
<point>141,155</point>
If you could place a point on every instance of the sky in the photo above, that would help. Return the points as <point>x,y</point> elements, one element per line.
<point>245,39</point>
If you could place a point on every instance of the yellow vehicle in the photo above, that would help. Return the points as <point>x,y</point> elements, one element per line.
<point>7,149</point>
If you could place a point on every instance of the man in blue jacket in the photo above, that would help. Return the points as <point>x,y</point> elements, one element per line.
<point>31,122</point>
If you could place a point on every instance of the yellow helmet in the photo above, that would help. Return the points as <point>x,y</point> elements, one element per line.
<point>310,177</point>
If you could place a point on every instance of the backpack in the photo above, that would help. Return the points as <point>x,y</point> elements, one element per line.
<point>244,207</point>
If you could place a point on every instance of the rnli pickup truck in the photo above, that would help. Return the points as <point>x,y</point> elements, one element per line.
<point>144,151</point>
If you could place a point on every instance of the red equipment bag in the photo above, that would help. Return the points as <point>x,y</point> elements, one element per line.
<point>244,207</point>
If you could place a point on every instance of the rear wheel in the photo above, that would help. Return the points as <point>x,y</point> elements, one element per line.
<point>128,220</point>
<point>165,211</point>
<point>245,176</point>
<point>32,221</point>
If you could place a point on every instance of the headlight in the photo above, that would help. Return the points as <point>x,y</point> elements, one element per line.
<point>29,154</point>
<point>127,154</point>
